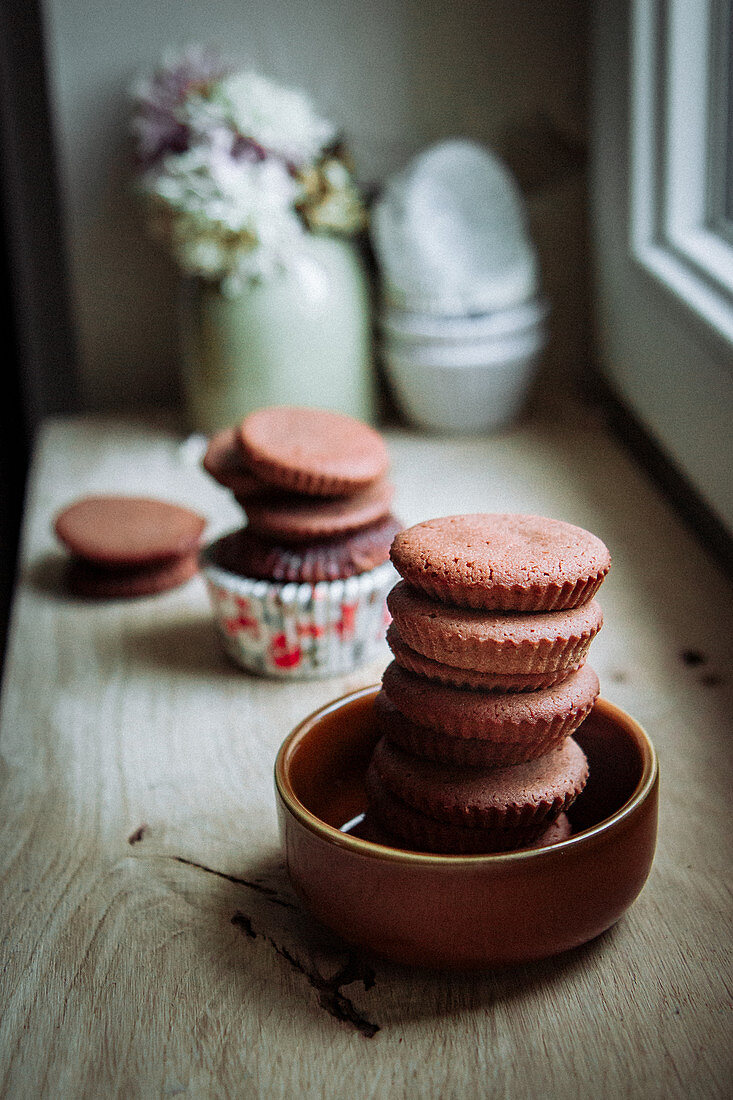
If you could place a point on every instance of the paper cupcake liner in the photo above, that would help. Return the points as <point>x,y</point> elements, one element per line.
<point>299,631</point>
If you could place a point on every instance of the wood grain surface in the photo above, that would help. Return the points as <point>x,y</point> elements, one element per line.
<point>151,944</point>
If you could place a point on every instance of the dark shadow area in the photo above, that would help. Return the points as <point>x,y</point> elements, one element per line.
<point>13,449</point>
<point>357,988</point>
<point>662,473</point>
<point>189,645</point>
<point>38,373</point>
<point>47,576</point>
<point>467,990</point>
<point>185,645</point>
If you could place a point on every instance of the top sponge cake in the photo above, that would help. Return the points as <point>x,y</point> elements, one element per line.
<point>502,562</point>
<point>128,532</point>
<point>312,451</point>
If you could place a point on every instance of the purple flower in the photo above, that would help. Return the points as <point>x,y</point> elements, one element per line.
<point>159,124</point>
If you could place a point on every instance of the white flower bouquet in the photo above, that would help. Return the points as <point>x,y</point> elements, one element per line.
<point>234,169</point>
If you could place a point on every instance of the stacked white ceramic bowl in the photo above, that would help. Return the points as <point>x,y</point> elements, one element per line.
<point>463,374</point>
<point>462,325</point>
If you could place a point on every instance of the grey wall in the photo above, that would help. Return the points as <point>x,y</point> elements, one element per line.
<point>396,74</point>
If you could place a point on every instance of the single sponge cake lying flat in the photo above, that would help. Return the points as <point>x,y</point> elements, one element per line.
<point>482,752</point>
<point>94,583</point>
<point>413,661</point>
<point>126,531</point>
<point>442,807</point>
<point>291,517</point>
<point>312,451</point>
<point>225,463</point>
<point>245,554</point>
<point>500,562</point>
<point>507,716</point>
<point>547,643</point>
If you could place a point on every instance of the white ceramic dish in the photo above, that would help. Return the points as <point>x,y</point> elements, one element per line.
<point>463,387</point>
<point>402,327</point>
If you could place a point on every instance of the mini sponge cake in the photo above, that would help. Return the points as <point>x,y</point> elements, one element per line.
<point>441,807</point>
<point>312,451</point>
<point>502,562</point>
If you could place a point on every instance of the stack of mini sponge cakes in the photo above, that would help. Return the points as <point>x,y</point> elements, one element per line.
<point>123,546</point>
<point>314,489</point>
<point>299,591</point>
<point>490,630</point>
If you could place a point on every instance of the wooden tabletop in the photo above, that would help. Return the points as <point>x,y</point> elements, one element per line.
<point>151,945</point>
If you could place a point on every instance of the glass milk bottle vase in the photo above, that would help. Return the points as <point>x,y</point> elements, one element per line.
<point>299,336</point>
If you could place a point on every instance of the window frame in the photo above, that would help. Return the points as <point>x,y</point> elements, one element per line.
<point>679,122</point>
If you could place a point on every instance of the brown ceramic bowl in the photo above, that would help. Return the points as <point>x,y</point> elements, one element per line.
<point>464,911</point>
